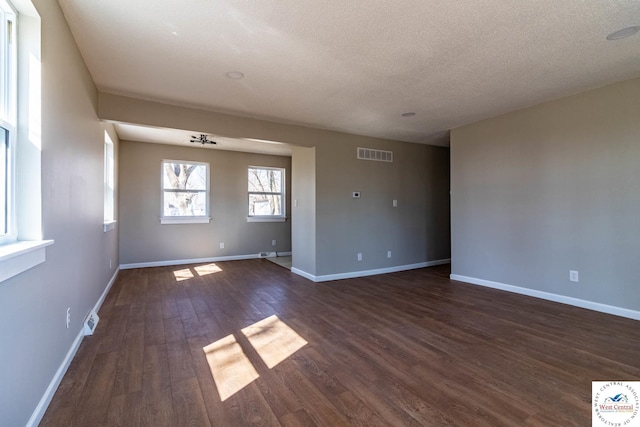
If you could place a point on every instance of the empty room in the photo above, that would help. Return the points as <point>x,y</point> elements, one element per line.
<point>319,213</point>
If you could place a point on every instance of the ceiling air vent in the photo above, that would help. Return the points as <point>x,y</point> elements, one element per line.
<point>377,155</point>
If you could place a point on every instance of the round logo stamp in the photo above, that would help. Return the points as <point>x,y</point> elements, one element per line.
<point>615,403</point>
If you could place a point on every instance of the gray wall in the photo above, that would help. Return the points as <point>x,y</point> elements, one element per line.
<point>553,188</point>
<point>33,304</point>
<point>303,226</point>
<point>416,231</point>
<point>143,239</point>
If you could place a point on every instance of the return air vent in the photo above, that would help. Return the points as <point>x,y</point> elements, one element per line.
<point>377,155</point>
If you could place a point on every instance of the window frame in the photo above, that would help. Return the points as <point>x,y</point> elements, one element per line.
<point>186,219</point>
<point>8,114</point>
<point>109,183</point>
<point>283,194</point>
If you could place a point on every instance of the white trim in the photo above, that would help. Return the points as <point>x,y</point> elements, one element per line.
<point>185,220</point>
<point>364,273</point>
<point>284,253</point>
<point>18,257</point>
<point>266,218</point>
<point>38,413</point>
<point>591,305</point>
<point>187,261</point>
<point>109,225</point>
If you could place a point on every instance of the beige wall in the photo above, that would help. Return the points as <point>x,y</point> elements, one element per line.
<point>371,225</point>
<point>303,225</point>
<point>33,304</point>
<point>143,239</point>
<point>553,188</point>
<point>416,232</point>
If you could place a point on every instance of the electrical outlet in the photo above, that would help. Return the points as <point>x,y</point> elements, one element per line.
<point>359,256</point>
<point>273,242</point>
<point>388,254</point>
<point>395,203</point>
<point>68,317</point>
<point>573,276</point>
<point>221,245</point>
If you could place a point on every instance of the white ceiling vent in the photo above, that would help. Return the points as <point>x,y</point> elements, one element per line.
<point>377,155</point>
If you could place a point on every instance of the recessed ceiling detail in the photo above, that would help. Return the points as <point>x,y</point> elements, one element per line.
<point>235,75</point>
<point>624,33</point>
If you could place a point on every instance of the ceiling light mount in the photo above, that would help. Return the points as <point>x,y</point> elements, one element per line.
<point>235,75</point>
<point>624,33</point>
<point>202,139</point>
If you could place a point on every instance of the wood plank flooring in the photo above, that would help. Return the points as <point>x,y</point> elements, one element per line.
<point>247,343</point>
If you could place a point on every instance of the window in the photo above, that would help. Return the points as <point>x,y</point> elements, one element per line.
<point>8,97</point>
<point>266,194</point>
<point>185,192</point>
<point>109,183</point>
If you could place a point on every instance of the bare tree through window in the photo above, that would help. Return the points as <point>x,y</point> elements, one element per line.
<point>184,189</point>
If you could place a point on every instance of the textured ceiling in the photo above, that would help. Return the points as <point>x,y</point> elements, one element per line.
<point>356,65</point>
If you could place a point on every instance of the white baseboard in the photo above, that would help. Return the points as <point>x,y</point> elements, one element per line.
<point>38,413</point>
<point>364,273</point>
<point>596,306</point>
<point>187,261</point>
<point>284,253</point>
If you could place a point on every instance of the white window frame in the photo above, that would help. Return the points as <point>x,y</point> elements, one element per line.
<point>20,249</point>
<point>183,219</point>
<point>8,112</point>
<point>109,183</point>
<point>283,203</point>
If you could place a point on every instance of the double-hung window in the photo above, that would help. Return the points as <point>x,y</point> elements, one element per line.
<point>109,183</point>
<point>8,119</point>
<point>266,194</point>
<point>185,192</point>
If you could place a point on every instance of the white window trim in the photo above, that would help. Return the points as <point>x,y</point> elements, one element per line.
<point>283,194</point>
<point>109,225</point>
<point>256,218</point>
<point>109,183</point>
<point>18,257</point>
<point>201,219</point>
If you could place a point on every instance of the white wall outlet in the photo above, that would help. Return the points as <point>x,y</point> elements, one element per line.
<point>273,242</point>
<point>356,194</point>
<point>388,254</point>
<point>295,203</point>
<point>573,276</point>
<point>359,256</point>
<point>395,203</point>
<point>68,317</point>
<point>221,245</point>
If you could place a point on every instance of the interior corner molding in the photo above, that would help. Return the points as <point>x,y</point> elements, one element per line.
<point>563,299</point>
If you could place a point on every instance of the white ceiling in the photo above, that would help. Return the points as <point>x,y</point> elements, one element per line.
<point>356,65</point>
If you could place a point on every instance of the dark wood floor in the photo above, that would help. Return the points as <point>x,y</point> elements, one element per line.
<point>403,349</point>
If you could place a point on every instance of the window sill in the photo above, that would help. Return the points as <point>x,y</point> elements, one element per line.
<point>266,219</point>
<point>109,225</point>
<point>195,220</point>
<point>18,257</point>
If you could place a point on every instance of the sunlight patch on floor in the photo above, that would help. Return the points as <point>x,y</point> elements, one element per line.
<point>183,274</point>
<point>199,270</point>
<point>206,269</point>
<point>231,368</point>
<point>274,340</point>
